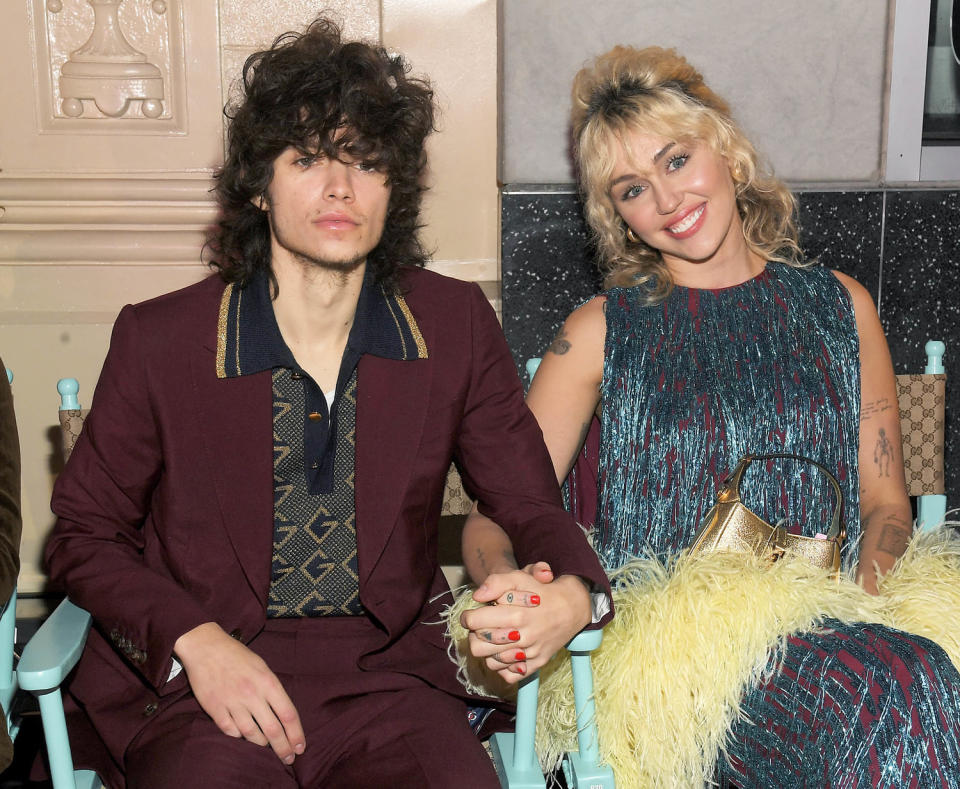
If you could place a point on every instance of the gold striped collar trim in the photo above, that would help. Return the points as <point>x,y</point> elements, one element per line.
<point>222,331</point>
<point>413,326</point>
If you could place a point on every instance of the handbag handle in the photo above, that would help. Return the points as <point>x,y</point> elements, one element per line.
<point>837,530</point>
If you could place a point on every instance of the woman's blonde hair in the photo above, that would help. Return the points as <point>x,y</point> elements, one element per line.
<point>656,91</point>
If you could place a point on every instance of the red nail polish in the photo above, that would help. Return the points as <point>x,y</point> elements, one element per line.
<point>520,656</point>
<point>521,669</point>
<point>534,599</point>
<point>513,635</point>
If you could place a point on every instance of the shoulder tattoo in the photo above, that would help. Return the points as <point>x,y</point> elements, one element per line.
<point>560,344</point>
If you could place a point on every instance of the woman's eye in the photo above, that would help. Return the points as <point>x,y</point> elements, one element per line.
<point>678,161</point>
<point>634,191</point>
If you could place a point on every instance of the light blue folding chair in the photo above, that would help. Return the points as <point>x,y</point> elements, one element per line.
<point>514,754</point>
<point>52,654</point>
<point>8,677</point>
<point>46,661</point>
<point>922,421</point>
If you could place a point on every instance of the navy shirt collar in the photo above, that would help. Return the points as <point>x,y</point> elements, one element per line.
<point>249,340</point>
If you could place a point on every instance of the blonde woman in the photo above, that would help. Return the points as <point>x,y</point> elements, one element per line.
<point>713,340</point>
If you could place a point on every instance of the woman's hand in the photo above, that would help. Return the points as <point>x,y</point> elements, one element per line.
<point>530,620</point>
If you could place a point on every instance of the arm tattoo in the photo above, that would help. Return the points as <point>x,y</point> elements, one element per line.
<point>894,537</point>
<point>507,555</point>
<point>874,408</point>
<point>883,453</point>
<point>560,344</point>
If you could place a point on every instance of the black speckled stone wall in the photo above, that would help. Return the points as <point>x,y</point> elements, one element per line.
<point>547,267</point>
<point>903,246</point>
<point>843,230</point>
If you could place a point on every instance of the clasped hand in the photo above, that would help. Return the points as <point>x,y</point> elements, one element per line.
<point>532,616</point>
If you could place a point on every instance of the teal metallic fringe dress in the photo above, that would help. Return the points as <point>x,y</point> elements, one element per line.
<point>771,365</point>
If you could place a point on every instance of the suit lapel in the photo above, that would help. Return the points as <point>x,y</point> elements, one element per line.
<point>391,412</point>
<point>236,438</point>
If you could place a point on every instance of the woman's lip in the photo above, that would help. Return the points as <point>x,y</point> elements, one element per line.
<point>689,231</point>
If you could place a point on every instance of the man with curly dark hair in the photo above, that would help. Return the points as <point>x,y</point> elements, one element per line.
<point>251,512</point>
<point>348,102</point>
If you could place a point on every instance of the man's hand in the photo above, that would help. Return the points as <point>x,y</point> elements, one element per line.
<point>237,689</point>
<point>530,621</point>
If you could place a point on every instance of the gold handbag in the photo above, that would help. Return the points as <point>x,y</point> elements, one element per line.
<point>730,526</point>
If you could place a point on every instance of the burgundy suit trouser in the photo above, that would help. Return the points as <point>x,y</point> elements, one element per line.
<point>363,728</point>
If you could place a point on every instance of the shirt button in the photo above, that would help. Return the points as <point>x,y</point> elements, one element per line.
<point>149,709</point>
<point>314,416</point>
<point>295,376</point>
<point>315,465</point>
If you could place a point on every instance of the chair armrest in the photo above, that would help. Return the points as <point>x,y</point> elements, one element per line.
<point>586,641</point>
<point>54,649</point>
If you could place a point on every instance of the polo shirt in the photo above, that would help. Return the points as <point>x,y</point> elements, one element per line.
<point>250,342</point>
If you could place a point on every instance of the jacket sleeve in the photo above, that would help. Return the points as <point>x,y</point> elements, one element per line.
<point>505,463</point>
<point>10,522</point>
<point>102,501</point>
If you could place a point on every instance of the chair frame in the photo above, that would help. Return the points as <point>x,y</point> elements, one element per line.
<point>514,754</point>
<point>9,683</point>
<point>932,507</point>
<point>49,657</point>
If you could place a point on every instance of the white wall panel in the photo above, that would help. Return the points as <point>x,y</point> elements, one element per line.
<point>805,79</point>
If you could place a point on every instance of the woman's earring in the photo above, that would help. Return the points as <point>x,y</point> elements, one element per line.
<point>631,236</point>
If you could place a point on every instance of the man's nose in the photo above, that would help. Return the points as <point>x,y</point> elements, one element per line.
<point>339,184</point>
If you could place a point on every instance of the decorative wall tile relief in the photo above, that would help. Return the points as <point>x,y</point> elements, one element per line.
<point>920,296</point>
<point>843,230</point>
<point>546,265</point>
<point>110,66</point>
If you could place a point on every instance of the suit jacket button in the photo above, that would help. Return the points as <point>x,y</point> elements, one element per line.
<point>149,709</point>
<point>237,634</point>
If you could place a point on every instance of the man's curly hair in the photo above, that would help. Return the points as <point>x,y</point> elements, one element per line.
<point>349,100</point>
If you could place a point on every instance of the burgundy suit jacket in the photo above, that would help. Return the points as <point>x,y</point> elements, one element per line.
<point>165,508</point>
